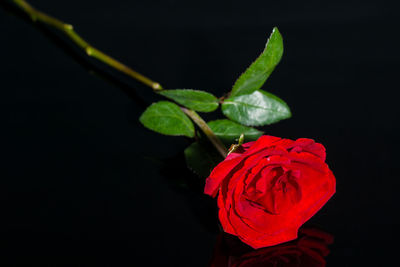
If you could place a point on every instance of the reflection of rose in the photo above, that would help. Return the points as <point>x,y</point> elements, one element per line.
<point>269,188</point>
<point>309,250</point>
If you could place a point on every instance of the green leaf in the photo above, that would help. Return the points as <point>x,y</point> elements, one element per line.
<point>258,72</point>
<point>193,99</point>
<point>167,118</point>
<point>256,109</point>
<point>229,131</point>
<point>200,160</point>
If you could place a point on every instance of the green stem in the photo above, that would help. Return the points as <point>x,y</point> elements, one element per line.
<point>206,130</point>
<point>91,51</point>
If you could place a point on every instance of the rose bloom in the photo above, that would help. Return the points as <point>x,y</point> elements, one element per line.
<point>268,188</point>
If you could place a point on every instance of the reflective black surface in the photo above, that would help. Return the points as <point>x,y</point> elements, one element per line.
<point>309,250</point>
<point>82,182</point>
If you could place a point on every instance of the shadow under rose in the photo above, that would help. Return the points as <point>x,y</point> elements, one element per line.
<point>308,250</point>
<point>189,185</point>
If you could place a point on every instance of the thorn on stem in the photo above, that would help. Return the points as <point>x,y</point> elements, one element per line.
<point>89,51</point>
<point>68,27</point>
<point>157,86</point>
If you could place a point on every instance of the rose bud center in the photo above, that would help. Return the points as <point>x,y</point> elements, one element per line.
<point>274,189</point>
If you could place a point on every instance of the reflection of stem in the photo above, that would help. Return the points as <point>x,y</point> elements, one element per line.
<point>91,51</point>
<point>207,131</point>
<point>68,30</point>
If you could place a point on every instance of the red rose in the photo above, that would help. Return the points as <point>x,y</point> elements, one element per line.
<point>269,188</point>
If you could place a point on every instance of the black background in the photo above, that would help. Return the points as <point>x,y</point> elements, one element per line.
<point>82,182</point>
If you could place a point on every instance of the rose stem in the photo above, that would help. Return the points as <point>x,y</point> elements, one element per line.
<point>207,130</point>
<point>91,51</point>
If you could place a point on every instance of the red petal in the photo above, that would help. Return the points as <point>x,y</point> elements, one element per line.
<point>218,175</point>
